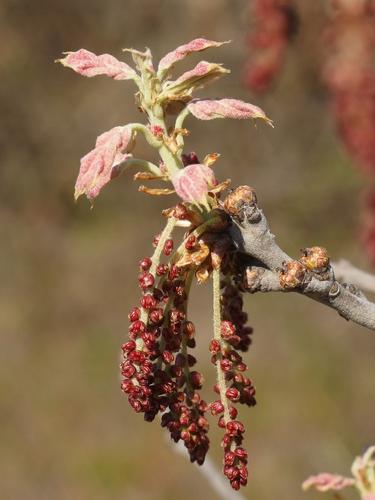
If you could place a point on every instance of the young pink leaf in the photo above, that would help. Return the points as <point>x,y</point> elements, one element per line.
<point>193,182</point>
<point>98,167</point>
<point>182,51</point>
<point>89,64</point>
<point>328,482</point>
<point>208,109</point>
<point>203,73</point>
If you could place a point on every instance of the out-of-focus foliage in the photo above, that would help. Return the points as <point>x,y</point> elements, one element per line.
<point>347,67</point>
<point>68,273</point>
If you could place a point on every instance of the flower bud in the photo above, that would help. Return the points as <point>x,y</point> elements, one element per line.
<point>236,199</point>
<point>292,275</point>
<point>193,182</point>
<point>315,258</point>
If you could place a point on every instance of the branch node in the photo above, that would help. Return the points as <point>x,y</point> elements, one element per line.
<point>292,275</point>
<point>335,290</point>
<point>250,213</point>
<point>252,279</point>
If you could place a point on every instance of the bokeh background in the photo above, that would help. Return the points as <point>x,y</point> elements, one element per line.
<point>69,274</point>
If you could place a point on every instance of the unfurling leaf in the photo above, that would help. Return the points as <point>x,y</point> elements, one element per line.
<point>89,64</point>
<point>142,60</point>
<point>327,482</point>
<point>209,109</point>
<point>363,469</point>
<point>99,166</point>
<point>182,51</point>
<point>203,73</point>
<point>193,182</point>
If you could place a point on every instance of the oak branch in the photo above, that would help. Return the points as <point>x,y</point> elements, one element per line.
<point>267,268</point>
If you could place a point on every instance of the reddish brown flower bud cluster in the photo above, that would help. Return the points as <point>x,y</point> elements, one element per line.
<point>235,457</point>
<point>274,23</point>
<point>157,370</point>
<point>233,314</point>
<point>156,367</point>
<point>235,336</point>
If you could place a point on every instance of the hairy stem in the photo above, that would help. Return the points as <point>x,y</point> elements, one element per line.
<point>179,124</point>
<point>143,164</point>
<point>184,349</point>
<point>155,259</point>
<point>217,336</point>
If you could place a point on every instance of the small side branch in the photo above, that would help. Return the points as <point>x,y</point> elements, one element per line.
<point>345,272</point>
<point>266,265</point>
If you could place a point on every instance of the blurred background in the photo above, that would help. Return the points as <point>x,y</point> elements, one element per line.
<point>69,274</point>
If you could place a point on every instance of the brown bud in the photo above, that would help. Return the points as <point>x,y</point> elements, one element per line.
<point>315,258</point>
<point>251,279</point>
<point>189,329</point>
<point>155,191</point>
<point>292,274</point>
<point>183,213</point>
<point>201,254</point>
<point>235,200</point>
<point>210,159</point>
<point>203,273</point>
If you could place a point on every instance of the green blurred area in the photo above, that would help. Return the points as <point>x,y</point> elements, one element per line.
<point>69,274</point>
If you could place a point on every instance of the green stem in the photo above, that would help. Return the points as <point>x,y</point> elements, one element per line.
<point>150,138</point>
<point>189,388</point>
<point>217,336</point>
<point>172,162</point>
<point>179,124</point>
<point>143,164</point>
<point>155,259</point>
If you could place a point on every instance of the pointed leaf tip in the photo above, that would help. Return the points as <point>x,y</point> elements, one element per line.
<point>202,74</point>
<point>209,109</point>
<point>101,164</point>
<point>196,45</point>
<point>89,64</point>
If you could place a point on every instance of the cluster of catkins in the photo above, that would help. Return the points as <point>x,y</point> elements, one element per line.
<point>348,71</point>
<point>158,367</point>
<point>158,374</point>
